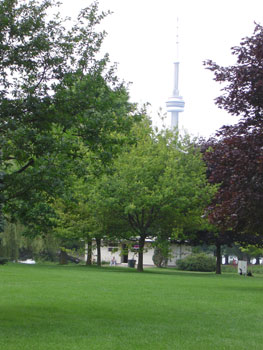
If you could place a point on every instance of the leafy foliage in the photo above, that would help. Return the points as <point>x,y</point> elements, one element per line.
<point>243,90</point>
<point>236,162</point>
<point>197,262</point>
<point>156,186</point>
<point>235,156</point>
<point>3,261</point>
<point>159,257</point>
<point>57,100</point>
<point>14,245</point>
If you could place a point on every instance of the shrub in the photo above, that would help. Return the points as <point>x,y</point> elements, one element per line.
<point>197,262</point>
<point>105,262</point>
<point>159,258</point>
<point>3,261</point>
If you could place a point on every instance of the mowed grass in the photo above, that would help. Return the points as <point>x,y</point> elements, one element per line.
<point>55,307</point>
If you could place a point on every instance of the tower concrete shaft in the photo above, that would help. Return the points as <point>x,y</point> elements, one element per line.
<point>175,104</point>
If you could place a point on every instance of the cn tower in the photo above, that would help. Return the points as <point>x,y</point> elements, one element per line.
<point>175,103</point>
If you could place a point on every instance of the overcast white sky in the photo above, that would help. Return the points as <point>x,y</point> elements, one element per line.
<point>142,39</point>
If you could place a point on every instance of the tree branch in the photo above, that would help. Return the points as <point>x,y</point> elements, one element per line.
<point>30,162</point>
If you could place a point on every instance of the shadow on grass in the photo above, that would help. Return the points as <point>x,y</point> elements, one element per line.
<point>74,321</point>
<point>127,270</point>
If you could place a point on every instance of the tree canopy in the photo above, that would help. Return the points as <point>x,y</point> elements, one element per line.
<point>243,81</point>
<point>235,155</point>
<point>156,186</point>
<point>58,98</point>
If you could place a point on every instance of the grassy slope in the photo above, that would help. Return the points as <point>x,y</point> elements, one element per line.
<point>53,307</point>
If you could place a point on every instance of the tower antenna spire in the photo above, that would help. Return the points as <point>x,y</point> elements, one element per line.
<point>177,39</point>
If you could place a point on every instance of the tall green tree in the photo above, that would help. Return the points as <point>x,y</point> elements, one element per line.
<point>78,216</point>
<point>157,185</point>
<point>15,246</point>
<point>55,95</point>
<point>75,217</point>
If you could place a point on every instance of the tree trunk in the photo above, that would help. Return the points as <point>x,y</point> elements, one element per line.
<point>98,244</point>
<point>226,259</point>
<point>218,259</point>
<point>63,258</point>
<point>89,252</point>
<point>140,255</point>
<point>257,260</point>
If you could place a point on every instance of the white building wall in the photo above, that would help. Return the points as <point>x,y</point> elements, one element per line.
<point>177,252</point>
<point>107,255</point>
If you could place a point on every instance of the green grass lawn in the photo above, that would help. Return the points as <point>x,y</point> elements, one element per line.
<point>75,307</point>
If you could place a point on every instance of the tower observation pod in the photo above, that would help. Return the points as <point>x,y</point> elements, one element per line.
<point>175,104</point>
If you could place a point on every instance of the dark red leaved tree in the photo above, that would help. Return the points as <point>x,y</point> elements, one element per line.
<point>235,155</point>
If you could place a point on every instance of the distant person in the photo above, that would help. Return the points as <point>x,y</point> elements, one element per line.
<point>113,261</point>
